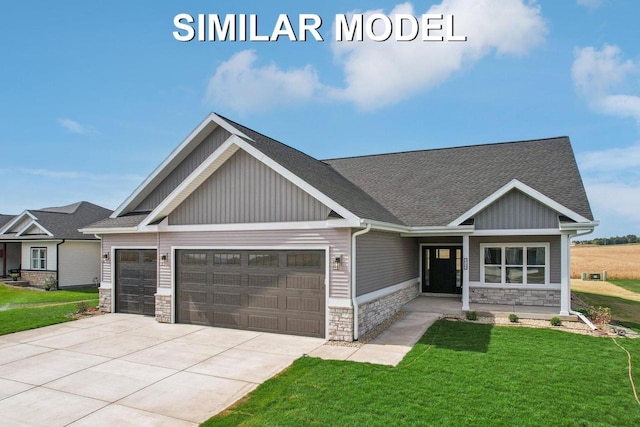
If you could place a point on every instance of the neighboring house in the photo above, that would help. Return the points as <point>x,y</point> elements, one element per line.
<point>235,229</point>
<point>45,243</point>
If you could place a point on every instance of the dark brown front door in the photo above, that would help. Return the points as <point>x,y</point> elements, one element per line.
<point>441,269</point>
<point>136,273</point>
<point>262,290</point>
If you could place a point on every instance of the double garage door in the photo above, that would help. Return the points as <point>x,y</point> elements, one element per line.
<point>272,291</point>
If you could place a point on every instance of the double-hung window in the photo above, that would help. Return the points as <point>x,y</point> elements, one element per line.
<point>515,264</point>
<point>38,258</point>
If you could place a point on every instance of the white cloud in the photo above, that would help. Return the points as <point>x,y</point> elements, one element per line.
<point>379,74</point>
<point>597,74</point>
<point>591,4</point>
<point>612,181</point>
<point>243,86</point>
<point>72,126</point>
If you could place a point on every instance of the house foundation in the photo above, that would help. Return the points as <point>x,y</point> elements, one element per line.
<point>38,278</point>
<point>536,297</point>
<point>373,313</point>
<point>104,300</point>
<point>163,308</point>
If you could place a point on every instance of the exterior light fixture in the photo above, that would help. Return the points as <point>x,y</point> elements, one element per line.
<point>105,257</point>
<point>337,263</point>
<point>163,259</point>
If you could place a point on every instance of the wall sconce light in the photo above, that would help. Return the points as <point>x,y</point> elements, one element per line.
<point>163,259</point>
<point>105,257</point>
<point>337,263</point>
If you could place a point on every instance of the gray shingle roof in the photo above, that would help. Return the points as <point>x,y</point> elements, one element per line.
<point>131,220</point>
<point>4,219</point>
<point>434,187</point>
<point>63,222</point>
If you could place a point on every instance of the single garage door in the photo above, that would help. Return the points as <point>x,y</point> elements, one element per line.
<point>272,291</point>
<point>136,272</point>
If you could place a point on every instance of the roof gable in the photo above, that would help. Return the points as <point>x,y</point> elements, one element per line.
<point>436,187</point>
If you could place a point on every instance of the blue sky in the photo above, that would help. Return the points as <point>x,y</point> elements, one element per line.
<point>93,96</point>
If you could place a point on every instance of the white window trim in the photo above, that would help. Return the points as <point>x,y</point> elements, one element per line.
<point>39,258</point>
<point>503,265</point>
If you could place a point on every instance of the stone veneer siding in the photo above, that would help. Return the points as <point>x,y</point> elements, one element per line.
<point>163,308</point>
<point>105,300</point>
<point>548,298</point>
<point>37,278</point>
<point>340,324</point>
<point>372,313</point>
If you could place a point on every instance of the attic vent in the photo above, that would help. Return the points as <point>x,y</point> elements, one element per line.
<point>563,218</point>
<point>468,221</point>
<point>334,214</point>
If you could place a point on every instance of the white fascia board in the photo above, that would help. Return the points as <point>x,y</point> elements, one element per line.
<point>193,181</point>
<point>518,232</point>
<point>534,194</point>
<point>111,230</point>
<point>287,174</point>
<point>166,166</point>
<point>16,220</point>
<point>258,226</point>
<point>32,223</point>
<point>459,230</point>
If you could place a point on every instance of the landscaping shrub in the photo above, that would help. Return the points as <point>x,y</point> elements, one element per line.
<point>513,318</point>
<point>555,321</point>
<point>471,315</point>
<point>82,307</point>
<point>600,315</point>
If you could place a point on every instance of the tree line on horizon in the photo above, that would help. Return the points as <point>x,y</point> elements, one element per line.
<point>617,240</point>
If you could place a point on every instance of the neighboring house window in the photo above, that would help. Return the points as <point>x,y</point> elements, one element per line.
<point>519,264</point>
<point>38,258</point>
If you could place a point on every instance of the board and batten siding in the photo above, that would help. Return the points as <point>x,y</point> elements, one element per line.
<point>554,252</point>
<point>133,240</point>
<point>217,137</point>
<point>383,260</point>
<point>515,210</point>
<point>245,190</point>
<point>79,263</point>
<point>337,239</point>
<point>21,224</point>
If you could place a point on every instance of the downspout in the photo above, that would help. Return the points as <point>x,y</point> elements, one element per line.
<point>354,302</point>
<point>58,264</point>
<point>577,313</point>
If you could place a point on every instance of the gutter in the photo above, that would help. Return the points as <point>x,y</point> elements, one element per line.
<point>354,301</point>
<point>58,264</point>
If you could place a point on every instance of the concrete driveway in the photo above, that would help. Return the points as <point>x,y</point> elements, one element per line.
<point>122,370</point>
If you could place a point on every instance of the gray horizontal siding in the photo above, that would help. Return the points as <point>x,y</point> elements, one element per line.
<point>384,259</point>
<point>554,252</point>
<point>245,190</point>
<point>516,210</point>
<point>188,165</point>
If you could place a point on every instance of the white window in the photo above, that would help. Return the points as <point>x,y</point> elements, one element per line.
<point>514,264</point>
<point>38,258</point>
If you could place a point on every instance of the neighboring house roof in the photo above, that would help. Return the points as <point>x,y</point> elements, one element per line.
<point>54,222</point>
<point>4,219</point>
<point>439,185</point>
<point>418,189</point>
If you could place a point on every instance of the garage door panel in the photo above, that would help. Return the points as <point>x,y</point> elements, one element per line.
<point>136,285</point>
<point>305,282</point>
<point>275,291</point>
<point>263,280</point>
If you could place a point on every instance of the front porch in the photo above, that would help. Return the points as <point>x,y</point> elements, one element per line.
<point>451,306</point>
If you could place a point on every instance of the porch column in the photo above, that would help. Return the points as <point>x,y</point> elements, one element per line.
<point>565,275</point>
<point>465,272</point>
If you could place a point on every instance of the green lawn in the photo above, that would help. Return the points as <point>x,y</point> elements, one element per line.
<point>632,285</point>
<point>473,374</point>
<point>22,309</point>
<point>626,312</point>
